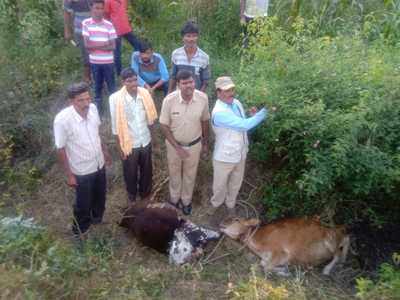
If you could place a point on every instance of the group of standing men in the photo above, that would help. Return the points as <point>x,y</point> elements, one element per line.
<point>184,117</point>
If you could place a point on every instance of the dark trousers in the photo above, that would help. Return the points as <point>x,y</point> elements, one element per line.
<point>164,87</point>
<point>135,43</point>
<point>138,172</point>
<point>90,200</point>
<point>102,73</point>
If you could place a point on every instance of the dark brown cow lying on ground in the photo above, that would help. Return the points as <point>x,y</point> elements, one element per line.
<point>291,241</point>
<point>159,226</point>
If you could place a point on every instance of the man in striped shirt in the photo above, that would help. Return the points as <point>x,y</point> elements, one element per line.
<point>190,57</point>
<point>99,37</point>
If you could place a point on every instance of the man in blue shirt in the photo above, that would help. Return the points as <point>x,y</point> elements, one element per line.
<point>230,126</point>
<point>151,69</point>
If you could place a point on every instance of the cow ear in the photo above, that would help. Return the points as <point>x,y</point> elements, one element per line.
<point>252,222</point>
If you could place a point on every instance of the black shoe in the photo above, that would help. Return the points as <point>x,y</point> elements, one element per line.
<point>187,209</point>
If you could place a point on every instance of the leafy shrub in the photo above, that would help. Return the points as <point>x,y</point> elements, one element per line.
<point>34,62</point>
<point>53,270</point>
<point>24,178</point>
<point>386,287</point>
<point>218,21</point>
<point>334,136</point>
<point>331,17</point>
<point>165,33</point>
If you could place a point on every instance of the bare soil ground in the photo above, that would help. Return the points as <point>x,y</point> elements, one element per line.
<point>51,206</point>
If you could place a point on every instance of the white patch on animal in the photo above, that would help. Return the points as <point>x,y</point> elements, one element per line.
<point>181,249</point>
<point>188,242</point>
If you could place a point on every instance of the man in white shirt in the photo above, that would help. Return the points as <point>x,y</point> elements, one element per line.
<point>250,9</point>
<point>82,155</point>
<point>133,114</point>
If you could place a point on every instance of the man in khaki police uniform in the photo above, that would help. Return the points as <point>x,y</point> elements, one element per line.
<point>184,122</point>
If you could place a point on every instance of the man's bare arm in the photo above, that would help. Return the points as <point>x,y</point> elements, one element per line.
<point>158,84</point>
<point>67,25</point>
<point>242,9</point>
<point>63,160</point>
<point>106,153</point>
<point>205,125</point>
<point>168,135</point>
<point>204,86</point>
<point>172,85</point>
<point>205,129</point>
<point>170,138</point>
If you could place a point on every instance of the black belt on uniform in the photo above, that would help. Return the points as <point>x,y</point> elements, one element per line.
<point>194,142</point>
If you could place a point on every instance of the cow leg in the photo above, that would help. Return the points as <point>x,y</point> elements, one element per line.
<point>282,271</point>
<point>344,249</point>
<point>276,263</point>
<point>327,270</point>
<point>266,263</point>
<point>340,255</point>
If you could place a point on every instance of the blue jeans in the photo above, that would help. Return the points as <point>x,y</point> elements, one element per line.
<point>135,43</point>
<point>101,73</point>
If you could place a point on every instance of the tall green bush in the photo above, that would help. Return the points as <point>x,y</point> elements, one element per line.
<point>51,270</point>
<point>385,287</point>
<point>335,134</point>
<point>34,62</point>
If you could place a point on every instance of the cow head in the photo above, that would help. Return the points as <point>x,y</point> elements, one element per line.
<point>188,242</point>
<point>236,228</point>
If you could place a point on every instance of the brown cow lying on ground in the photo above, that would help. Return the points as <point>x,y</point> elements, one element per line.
<point>294,241</point>
<point>158,225</point>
